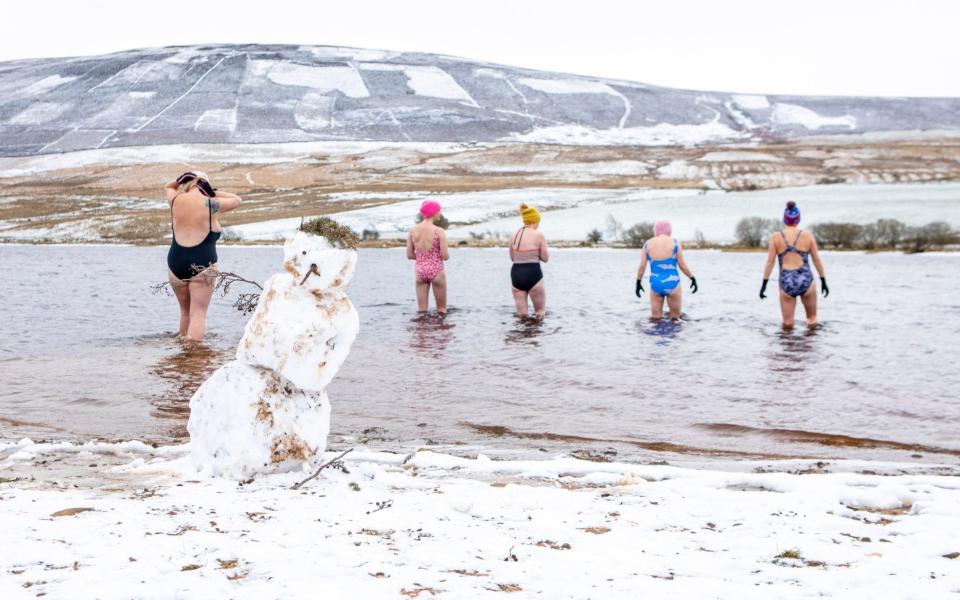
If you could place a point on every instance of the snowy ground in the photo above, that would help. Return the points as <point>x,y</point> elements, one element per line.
<point>129,521</point>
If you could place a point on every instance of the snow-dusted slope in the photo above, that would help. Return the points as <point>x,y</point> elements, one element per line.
<point>256,93</point>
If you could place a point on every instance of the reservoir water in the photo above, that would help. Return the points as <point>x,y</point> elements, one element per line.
<point>87,351</point>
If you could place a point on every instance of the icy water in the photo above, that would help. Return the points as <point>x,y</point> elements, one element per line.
<point>88,351</point>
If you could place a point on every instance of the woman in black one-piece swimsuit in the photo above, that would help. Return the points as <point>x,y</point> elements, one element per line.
<point>194,206</point>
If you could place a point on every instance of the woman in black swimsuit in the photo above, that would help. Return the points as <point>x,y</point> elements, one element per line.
<point>528,248</point>
<point>192,260</point>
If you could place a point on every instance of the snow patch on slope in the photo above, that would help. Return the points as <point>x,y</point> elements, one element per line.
<point>663,134</point>
<point>567,86</point>
<point>739,157</point>
<point>343,79</point>
<point>39,113</point>
<point>45,85</point>
<point>751,102</point>
<point>435,82</point>
<point>221,119</point>
<point>792,114</point>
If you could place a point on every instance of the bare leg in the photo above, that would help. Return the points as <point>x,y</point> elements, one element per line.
<point>674,300</point>
<point>182,291</point>
<point>520,298</point>
<point>788,306</point>
<point>201,290</point>
<point>538,294</point>
<point>440,293</point>
<point>809,300</point>
<point>423,295</point>
<point>656,306</point>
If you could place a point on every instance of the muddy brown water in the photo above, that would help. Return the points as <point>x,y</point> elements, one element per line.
<point>87,351</point>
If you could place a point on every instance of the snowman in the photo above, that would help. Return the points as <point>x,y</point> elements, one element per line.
<point>268,411</point>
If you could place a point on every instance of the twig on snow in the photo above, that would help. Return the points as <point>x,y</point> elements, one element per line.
<point>329,463</point>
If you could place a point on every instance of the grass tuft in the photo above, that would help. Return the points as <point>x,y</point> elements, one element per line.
<point>338,235</point>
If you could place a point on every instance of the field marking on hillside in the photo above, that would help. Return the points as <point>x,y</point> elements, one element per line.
<point>398,124</point>
<point>627,107</point>
<point>185,94</point>
<point>104,140</point>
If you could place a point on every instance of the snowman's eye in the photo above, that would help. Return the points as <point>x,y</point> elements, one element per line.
<point>304,252</point>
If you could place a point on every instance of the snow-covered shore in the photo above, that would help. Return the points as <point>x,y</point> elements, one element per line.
<point>130,521</point>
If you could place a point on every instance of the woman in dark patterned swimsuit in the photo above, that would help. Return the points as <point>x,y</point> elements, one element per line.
<point>793,248</point>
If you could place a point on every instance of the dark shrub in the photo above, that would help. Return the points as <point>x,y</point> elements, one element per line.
<point>635,236</point>
<point>890,232</point>
<point>754,231</point>
<point>838,235</point>
<point>442,222</point>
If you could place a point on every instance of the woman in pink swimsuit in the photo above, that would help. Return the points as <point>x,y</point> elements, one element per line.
<point>427,244</point>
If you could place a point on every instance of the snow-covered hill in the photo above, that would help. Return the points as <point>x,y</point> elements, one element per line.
<point>257,93</point>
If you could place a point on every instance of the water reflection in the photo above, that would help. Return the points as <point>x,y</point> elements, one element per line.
<point>795,350</point>
<point>183,371</point>
<point>431,334</point>
<point>665,329</point>
<point>525,330</point>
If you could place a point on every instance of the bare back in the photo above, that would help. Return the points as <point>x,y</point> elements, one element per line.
<point>529,245</point>
<point>660,247</point>
<point>422,235</point>
<point>801,240</point>
<point>192,218</point>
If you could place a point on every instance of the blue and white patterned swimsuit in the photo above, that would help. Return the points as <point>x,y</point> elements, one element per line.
<point>795,282</point>
<point>664,276</point>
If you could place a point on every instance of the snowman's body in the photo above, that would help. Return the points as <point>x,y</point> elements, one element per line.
<point>267,411</point>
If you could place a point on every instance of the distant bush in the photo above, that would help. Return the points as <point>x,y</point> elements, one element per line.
<point>635,236</point>
<point>839,235</point>
<point>754,231</point>
<point>931,235</point>
<point>700,239</point>
<point>595,237</point>
<point>885,234</point>
<point>369,235</point>
<point>890,232</point>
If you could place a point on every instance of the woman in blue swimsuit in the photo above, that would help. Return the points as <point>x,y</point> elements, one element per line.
<point>665,256</point>
<point>793,248</point>
<point>195,207</point>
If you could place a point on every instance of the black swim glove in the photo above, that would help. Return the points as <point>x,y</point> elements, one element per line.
<point>826,290</point>
<point>639,288</point>
<point>763,289</point>
<point>693,285</point>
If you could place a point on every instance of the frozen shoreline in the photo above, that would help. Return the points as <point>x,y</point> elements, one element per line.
<point>450,526</point>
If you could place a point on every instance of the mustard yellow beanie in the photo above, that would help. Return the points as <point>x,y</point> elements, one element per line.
<point>530,214</point>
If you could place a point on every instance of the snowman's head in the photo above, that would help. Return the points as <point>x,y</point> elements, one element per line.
<point>317,263</point>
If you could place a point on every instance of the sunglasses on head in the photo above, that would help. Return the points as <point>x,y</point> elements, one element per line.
<point>205,188</point>
<point>188,176</point>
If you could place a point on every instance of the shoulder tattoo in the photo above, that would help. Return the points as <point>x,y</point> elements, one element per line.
<point>213,204</point>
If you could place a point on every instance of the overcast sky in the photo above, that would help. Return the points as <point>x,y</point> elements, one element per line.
<point>842,47</point>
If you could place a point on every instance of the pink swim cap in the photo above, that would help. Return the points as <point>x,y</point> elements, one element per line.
<point>429,208</point>
<point>662,228</point>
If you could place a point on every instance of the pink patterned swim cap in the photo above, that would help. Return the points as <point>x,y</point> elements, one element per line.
<point>662,228</point>
<point>429,208</point>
